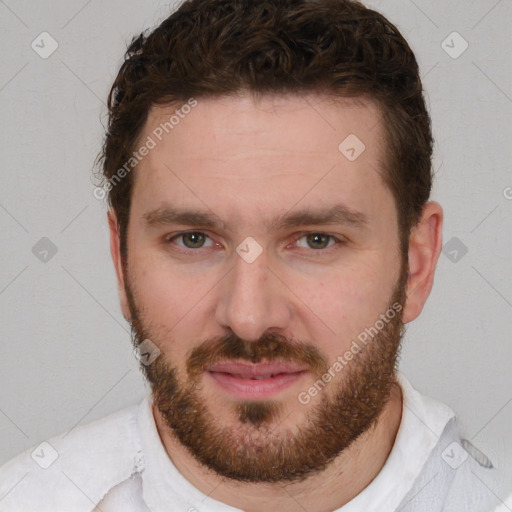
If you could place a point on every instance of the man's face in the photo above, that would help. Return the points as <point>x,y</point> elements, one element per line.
<point>231,297</point>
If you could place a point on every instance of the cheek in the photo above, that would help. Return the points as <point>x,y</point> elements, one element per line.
<point>347,303</point>
<point>164,283</point>
<point>172,300</point>
<point>162,294</point>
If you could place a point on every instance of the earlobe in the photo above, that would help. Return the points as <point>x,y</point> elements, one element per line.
<point>425,245</point>
<point>115,251</point>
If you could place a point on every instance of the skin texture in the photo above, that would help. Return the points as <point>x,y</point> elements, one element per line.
<point>303,299</point>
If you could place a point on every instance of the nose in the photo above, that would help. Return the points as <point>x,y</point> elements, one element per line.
<point>253,299</point>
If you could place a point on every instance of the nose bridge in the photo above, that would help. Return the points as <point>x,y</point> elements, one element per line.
<point>252,299</point>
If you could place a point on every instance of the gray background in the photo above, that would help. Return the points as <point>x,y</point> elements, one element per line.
<point>65,355</point>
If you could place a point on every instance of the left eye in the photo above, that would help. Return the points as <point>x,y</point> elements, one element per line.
<point>317,241</point>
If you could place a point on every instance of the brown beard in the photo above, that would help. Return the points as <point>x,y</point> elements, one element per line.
<point>256,450</point>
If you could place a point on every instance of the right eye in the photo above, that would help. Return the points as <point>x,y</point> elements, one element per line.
<point>191,240</point>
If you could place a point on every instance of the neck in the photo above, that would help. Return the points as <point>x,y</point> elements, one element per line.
<point>350,473</point>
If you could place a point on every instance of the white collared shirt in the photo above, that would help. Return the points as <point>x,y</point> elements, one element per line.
<point>119,464</point>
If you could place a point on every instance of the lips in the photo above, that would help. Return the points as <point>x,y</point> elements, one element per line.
<point>255,371</point>
<point>255,381</point>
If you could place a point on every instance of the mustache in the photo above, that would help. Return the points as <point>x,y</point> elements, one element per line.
<point>270,347</point>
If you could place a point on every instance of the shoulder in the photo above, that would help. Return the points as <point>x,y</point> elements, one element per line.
<point>457,476</point>
<point>74,470</point>
<point>477,484</point>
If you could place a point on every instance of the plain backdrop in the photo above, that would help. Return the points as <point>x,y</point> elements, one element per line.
<point>65,352</point>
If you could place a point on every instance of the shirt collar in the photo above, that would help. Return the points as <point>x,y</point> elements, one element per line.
<point>423,421</point>
<point>163,485</point>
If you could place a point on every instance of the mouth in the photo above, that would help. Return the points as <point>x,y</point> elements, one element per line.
<point>255,381</point>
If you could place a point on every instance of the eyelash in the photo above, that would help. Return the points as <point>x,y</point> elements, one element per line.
<point>326,251</point>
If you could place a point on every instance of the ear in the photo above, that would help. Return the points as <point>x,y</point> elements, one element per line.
<point>115,251</point>
<point>425,245</point>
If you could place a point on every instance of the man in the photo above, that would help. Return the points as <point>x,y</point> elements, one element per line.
<point>268,168</point>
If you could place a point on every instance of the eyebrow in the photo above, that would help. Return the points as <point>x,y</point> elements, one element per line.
<point>338,214</point>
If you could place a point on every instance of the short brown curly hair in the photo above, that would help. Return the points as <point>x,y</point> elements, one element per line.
<point>211,48</point>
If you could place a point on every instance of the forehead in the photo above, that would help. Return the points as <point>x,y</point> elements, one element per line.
<point>266,152</point>
<point>305,123</point>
